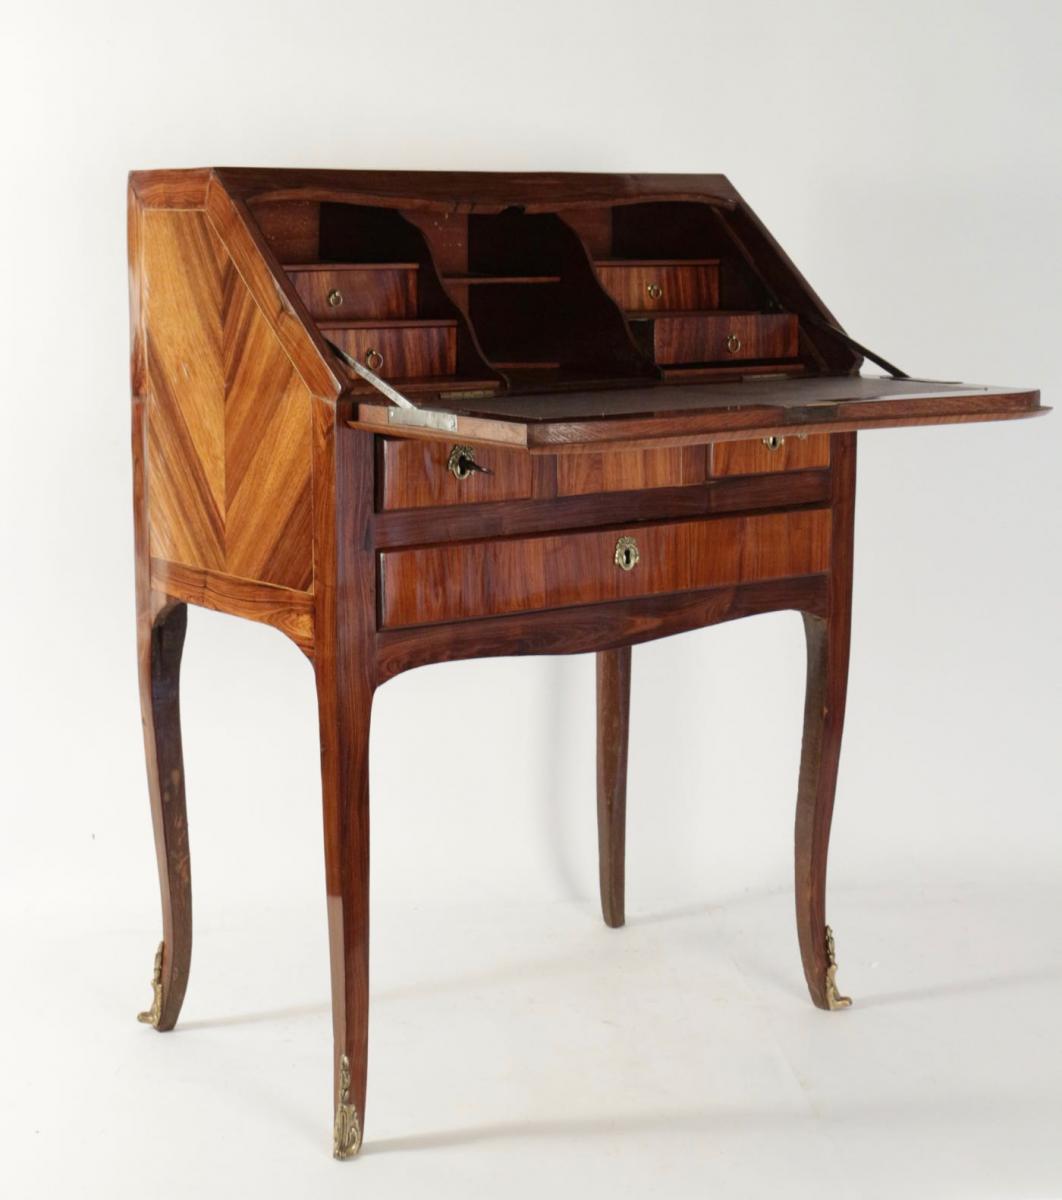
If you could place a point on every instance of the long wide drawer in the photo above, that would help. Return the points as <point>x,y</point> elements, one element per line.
<point>661,286</point>
<point>465,580</point>
<point>398,349</point>
<point>722,337</point>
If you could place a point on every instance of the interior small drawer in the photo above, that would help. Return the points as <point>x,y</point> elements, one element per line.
<point>331,292</point>
<point>661,286</point>
<point>723,337</point>
<point>466,580</point>
<point>399,349</point>
<point>412,474</point>
<point>790,453</point>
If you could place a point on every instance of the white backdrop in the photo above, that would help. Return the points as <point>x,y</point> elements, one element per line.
<point>907,156</point>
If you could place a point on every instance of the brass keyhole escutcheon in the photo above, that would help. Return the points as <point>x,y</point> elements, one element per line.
<point>335,298</point>
<point>654,290</point>
<point>774,443</point>
<point>733,343</point>
<point>374,360</point>
<point>627,554</point>
<point>462,463</point>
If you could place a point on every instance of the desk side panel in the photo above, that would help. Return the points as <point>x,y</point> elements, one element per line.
<point>228,440</point>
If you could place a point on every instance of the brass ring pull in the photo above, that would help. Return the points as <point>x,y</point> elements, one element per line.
<point>654,290</point>
<point>335,298</point>
<point>774,443</point>
<point>374,360</point>
<point>462,463</point>
<point>733,343</point>
<point>627,554</point>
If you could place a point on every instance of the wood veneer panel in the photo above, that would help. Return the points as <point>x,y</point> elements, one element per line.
<point>416,475</point>
<point>183,279</point>
<point>514,518</point>
<point>268,494</point>
<point>228,437</point>
<point>357,292</point>
<point>699,337</point>
<point>796,452</point>
<point>481,579</point>
<point>629,470</point>
<point>594,626</point>
<point>661,286</point>
<point>409,349</point>
<point>288,610</point>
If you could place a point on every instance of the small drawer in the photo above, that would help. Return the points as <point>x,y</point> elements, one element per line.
<point>399,349</point>
<point>359,293</point>
<point>661,286</point>
<point>629,470</point>
<point>412,474</point>
<point>467,580</point>
<point>794,452</point>
<point>721,337</point>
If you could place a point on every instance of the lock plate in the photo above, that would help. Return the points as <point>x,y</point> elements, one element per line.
<point>627,554</point>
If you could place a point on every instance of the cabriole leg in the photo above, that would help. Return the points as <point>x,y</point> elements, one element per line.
<point>828,639</point>
<point>613,727</point>
<point>823,722</point>
<point>160,645</point>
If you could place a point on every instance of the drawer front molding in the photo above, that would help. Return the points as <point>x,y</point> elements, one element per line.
<point>427,585</point>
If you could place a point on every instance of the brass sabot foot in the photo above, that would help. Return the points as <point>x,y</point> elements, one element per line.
<point>834,999</point>
<point>346,1134</point>
<point>154,1013</point>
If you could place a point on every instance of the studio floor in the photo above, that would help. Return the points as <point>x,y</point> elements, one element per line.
<point>526,1050</point>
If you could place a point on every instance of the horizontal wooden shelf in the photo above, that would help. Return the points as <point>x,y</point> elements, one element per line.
<point>656,262</point>
<point>352,266</point>
<point>500,280</point>
<point>389,323</point>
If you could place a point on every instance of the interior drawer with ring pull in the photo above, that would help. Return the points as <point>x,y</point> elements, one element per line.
<point>662,285</point>
<point>398,349</point>
<point>416,474</point>
<point>461,581</point>
<point>332,291</point>
<point>793,452</point>
<point>720,337</point>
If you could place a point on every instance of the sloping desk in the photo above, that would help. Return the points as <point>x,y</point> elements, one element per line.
<point>412,417</point>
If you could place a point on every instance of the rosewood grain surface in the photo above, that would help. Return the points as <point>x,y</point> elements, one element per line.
<point>417,475</point>
<point>828,636</point>
<point>405,348</point>
<point>260,488</point>
<point>706,337</point>
<point>478,579</point>
<point>630,470</point>
<point>613,727</point>
<point>358,292</point>
<point>797,452</point>
<point>512,518</point>
<point>228,426</point>
<point>661,286</point>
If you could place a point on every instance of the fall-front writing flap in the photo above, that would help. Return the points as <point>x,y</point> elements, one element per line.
<point>702,412</point>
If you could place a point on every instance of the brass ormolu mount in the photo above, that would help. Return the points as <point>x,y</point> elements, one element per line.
<point>154,1013</point>
<point>834,999</point>
<point>346,1134</point>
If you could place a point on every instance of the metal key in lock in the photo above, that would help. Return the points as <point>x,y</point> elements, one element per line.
<point>462,463</point>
